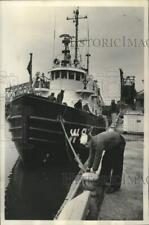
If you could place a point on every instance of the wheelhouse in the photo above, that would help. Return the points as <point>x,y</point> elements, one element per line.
<point>71,74</point>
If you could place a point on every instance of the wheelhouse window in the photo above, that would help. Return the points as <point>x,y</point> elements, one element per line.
<point>71,75</point>
<point>82,76</point>
<point>57,74</point>
<point>78,76</point>
<point>64,74</point>
<point>52,75</point>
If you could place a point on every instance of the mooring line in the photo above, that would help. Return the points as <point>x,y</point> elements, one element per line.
<point>80,164</point>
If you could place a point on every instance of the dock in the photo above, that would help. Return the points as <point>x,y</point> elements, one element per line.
<point>126,204</point>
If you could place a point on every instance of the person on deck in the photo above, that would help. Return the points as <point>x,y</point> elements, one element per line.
<point>78,104</point>
<point>52,97</point>
<point>112,163</point>
<point>60,97</point>
<point>43,80</point>
<point>86,108</point>
<point>37,80</point>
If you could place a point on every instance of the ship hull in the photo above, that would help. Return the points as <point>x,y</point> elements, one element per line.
<point>38,134</point>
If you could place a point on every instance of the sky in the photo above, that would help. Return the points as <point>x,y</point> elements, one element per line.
<point>27,28</point>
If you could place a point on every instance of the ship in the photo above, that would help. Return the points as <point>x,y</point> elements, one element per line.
<point>48,130</point>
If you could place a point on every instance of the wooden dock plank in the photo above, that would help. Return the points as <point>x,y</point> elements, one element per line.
<point>76,209</point>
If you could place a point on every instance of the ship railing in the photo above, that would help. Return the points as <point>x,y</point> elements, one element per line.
<point>16,90</point>
<point>25,88</point>
<point>68,65</point>
<point>41,84</point>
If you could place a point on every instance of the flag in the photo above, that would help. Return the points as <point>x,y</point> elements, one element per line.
<point>29,68</point>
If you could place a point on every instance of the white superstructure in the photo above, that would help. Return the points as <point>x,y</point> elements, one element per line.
<point>72,80</point>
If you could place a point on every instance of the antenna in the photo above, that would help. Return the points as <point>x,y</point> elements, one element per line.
<point>76,21</point>
<point>54,35</point>
<point>88,36</point>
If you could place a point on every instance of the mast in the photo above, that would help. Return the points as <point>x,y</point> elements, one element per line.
<point>76,21</point>
<point>66,51</point>
<point>122,83</point>
<point>88,53</point>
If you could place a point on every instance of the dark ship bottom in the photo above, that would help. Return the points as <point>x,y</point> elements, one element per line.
<point>37,194</point>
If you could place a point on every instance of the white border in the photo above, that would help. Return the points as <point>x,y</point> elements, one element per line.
<point>98,3</point>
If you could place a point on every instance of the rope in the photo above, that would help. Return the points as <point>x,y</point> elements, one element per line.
<point>81,166</point>
<point>115,124</point>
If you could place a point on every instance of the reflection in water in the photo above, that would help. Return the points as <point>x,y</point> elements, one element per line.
<point>36,193</point>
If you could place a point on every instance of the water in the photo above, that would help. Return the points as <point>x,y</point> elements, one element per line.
<point>11,154</point>
<point>33,193</point>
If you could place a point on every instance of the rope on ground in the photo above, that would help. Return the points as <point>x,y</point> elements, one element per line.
<point>80,164</point>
